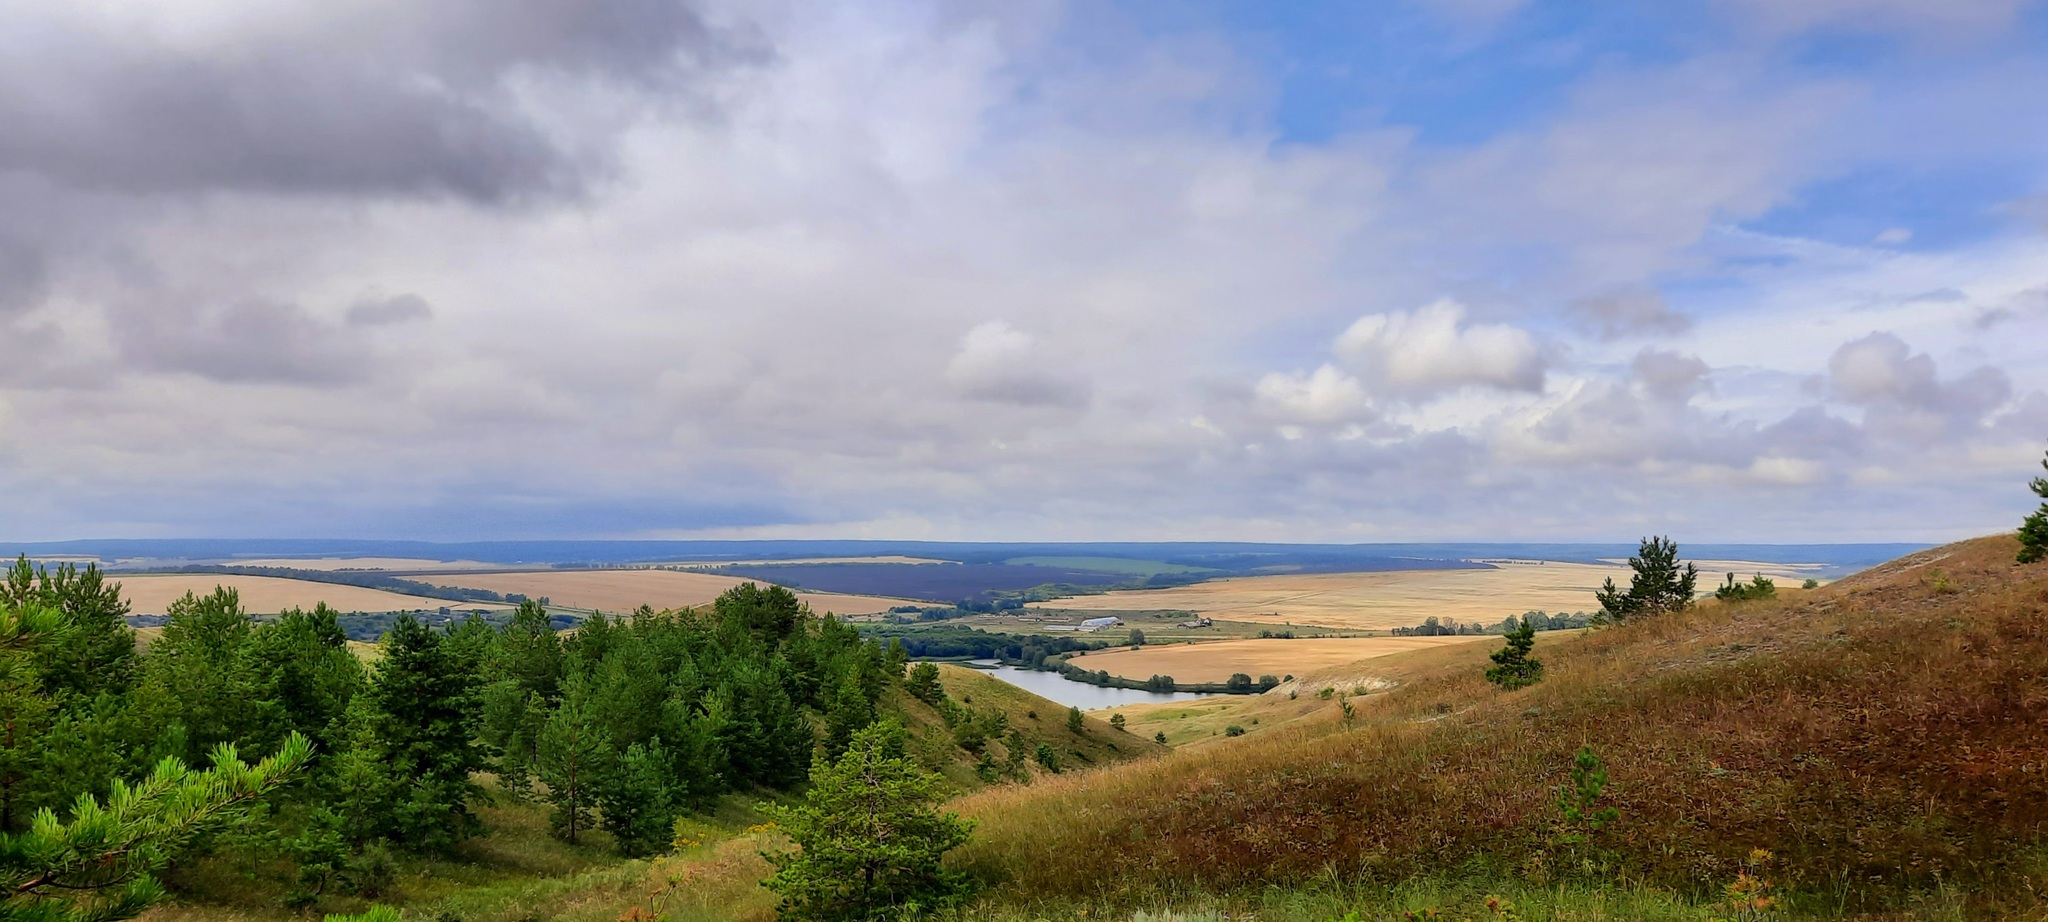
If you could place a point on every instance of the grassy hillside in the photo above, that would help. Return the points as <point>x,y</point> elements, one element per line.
<point>1880,737</point>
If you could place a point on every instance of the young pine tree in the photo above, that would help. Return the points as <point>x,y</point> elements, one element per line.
<point>1658,585</point>
<point>923,683</point>
<point>869,838</point>
<point>423,721</point>
<point>636,802</point>
<point>1074,720</point>
<point>575,758</point>
<point>2034,531</point>
<point>1513,666</point>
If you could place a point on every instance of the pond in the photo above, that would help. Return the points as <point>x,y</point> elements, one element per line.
<point>1077,694</point>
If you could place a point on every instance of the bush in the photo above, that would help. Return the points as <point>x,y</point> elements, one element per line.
<point>1233,730</point>
<point>1758,587</point>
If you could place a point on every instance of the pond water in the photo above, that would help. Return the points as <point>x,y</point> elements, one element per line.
<point>1077,694</point>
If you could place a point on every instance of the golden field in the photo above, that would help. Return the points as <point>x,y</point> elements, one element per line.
<point>625,590</point>
<point>1376,600</point>
<point>264,595</point>
<point>1215,661</point>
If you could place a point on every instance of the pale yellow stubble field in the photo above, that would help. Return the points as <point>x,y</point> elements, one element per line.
<point>1376,600</point>
<point>1215,661</point>
<point>626,590</point>
<point>264,595</point>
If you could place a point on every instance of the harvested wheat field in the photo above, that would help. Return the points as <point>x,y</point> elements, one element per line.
<point>366,563</point>
<point>625,590</point>
<point>264,595</point>
<point>1376,600</point>
<point>1217,660</point>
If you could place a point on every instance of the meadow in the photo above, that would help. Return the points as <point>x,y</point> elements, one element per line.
<point>1215,661</point>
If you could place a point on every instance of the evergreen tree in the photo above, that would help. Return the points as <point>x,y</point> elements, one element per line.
<point>1658,585</point>
<point>635,801</point>
<point>198,676</point>
<point>923,683</point>
<point>97,652</point>
<point>528,652</point>
<point>302,667</point>
<point>575,755</point>
<point>770,614</point>
<point>423,719</point>
<point>1513,666</point>
<point>97,865</point>
<point>1116,722</point>
<point>2034,531</point>
<point>869,839</point>
<point>1074,720</point>
<point>848,712</point>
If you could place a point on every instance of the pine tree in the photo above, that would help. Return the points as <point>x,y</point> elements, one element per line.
<point>848,711</point>
<point>1074,720</point>
<point>423,718</point>
<point>869,839</point>
<point>1116,722</point>
<point>2034,531</point>
<point>1657,587</point>
<point>635,801</point>
<point>96,865</point>
<point>575,755</point>
<point>1513,666</point>
<point>198,676</point>
<point>923,683</point>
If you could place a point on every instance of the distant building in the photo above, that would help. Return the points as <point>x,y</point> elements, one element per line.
<point>1198,622</point>
<point>1097,624</point>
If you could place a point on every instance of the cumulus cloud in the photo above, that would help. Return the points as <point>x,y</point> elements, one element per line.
<point>1434,349</point>
<point>997,362</point>
<point>1902,393</point>
<point>1324,396</point>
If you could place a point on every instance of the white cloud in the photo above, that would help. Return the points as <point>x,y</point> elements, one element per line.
<point>1324,396</point>
<point>1001,363</point>
<point>1434,349</point>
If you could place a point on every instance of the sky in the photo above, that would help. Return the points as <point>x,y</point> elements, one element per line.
<point>1502,270</point>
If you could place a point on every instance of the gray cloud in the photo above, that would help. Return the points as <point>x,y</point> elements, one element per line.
<point>1633,312</point>
<point>400,308</point>
<point>400,99</point>
<point>251,342</point>
<point>1902,393</point>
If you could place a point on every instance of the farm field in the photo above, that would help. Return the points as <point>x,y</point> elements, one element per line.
<point>264,595</point>
<point>1217,660</point>
<point>1375,600</point>
<point>331,564</point>
<point>625,590</point>
<point>943,584</point>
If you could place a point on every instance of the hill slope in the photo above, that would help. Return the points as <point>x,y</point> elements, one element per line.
<point>1880,734</point>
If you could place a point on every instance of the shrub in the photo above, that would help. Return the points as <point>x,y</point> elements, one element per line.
<point>1116,721</point>
<point>1810,584</point>
<point>1758,587</point>
<point>1159,737</point>
<point>1233,730</point>
<point>1074,721</point>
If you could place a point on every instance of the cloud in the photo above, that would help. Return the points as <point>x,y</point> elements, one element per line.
<point>252,342</point>
<point>404,99</point>
<point>1628,313</point>
<point>1946,17</point>
<point>1433,349</point>
<point>999,363</point>
<point>379,311</point>
<point>1324,396</point>
<point>1902,393</point>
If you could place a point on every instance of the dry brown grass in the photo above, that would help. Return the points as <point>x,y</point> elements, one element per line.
<point>1377,600</point>
<point>1215,661</point>
<point>1890,730</point>
<point>264,595</point>
<point>625,590</point>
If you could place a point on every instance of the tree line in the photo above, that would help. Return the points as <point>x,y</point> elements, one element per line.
<point>620,726</point>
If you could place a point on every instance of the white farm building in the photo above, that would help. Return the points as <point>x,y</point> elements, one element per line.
<point>1097,624</point>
